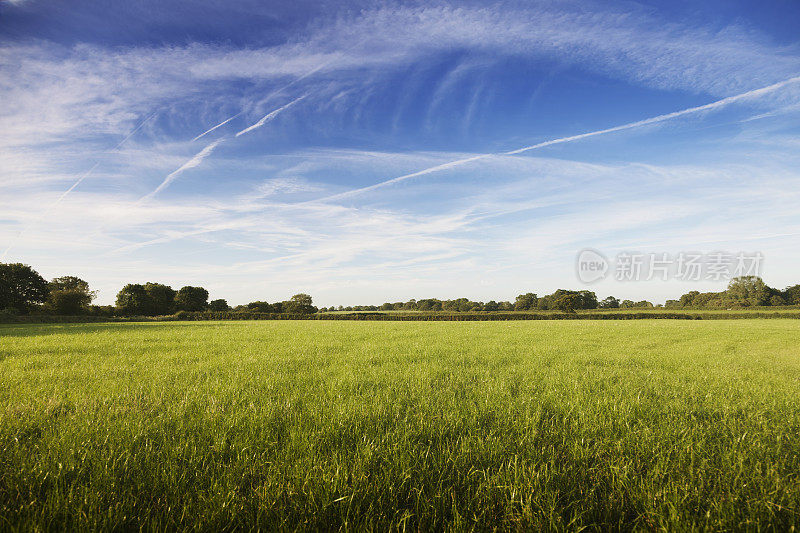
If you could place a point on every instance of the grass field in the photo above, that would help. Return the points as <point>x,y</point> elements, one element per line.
<point>407,425</point>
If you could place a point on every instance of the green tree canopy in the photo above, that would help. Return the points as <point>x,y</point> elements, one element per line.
<point>161,298</point>
<point>792,295</point>
<point>192,299</point>
<point>300,304</point>
<point>218,305</point>
<point>69,295</point>
<point>133,300</point>
<point>525,302</point>
<point>567,301</point>
<point>609,303</point>
<point>748,291</point>
<point>21,287</point>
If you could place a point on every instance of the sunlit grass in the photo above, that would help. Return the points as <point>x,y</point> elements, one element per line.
<point>415,425</point>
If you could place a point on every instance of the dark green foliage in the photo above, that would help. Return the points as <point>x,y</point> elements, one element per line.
<point>300,304</point>
<point>161,298</point>
<point>191,299</point>
<point>462,305</point>
<point>218,305</point>
<point>747,291</point>
<point>69,295</point>
<point>526,302</point>
<point>429,304</point>
<point>21,287</point>
<point>149,299</point>
<point>744,291</point>
<point>572,299</point>
<point>70,283</point>
<point>259,307</point>
<point>102,310</point>
<point>609,303</point>
<point>776,300</point>
<point>567,302</point>
<point>68,303</point>
<point>133,300</point>
<point>792,295</point>
<point>630,304</point>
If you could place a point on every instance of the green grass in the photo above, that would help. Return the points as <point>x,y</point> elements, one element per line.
<point>407,425</point>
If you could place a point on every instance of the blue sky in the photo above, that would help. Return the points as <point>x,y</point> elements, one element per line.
<point>369,151</point>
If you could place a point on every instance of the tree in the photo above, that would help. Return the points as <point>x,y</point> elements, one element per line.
<point>792,295</point>
<point>161,298</point>
<point>587,300</point>
<point>748,291</point>
<point>567,302</point>
<point>21,287</point>
<point>133,300</point>
<point>526,302</point>
<point>609,303</point>
<point>191,299</point>
<point>581,300</point>
<point>300,304</point>
<point>777,300</point>
<point>69,295</point>
<point>687,300</point>
<point>70,283</point>
<point>218,305</point>
<point>260,307</point>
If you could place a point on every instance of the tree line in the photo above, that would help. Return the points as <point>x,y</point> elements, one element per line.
<point>742,292</point>
<point>25,291</point>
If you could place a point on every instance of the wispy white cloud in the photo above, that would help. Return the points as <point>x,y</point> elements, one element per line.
<point>639,48</point>
<point>500,210</point>
<point>749,95</point>
<point>64,92</point>
<point>527,215</point>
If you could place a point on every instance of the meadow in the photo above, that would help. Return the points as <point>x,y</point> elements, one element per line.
<point>286,425</point>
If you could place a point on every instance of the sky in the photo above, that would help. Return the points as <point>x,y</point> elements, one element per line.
<point>365,152</point>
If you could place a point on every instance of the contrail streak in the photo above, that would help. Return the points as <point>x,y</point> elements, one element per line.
<point>269,116</point>
<point>276,91</point>
<point>639,123</point>
<point>215,127</point>
<point>205,152</point>
<point>193,162</point>
<point>96,163</point>
<point>77,182</point>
